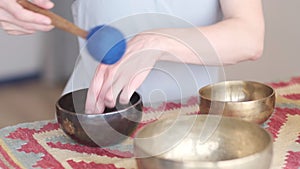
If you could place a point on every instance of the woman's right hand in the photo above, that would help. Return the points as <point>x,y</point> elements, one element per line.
<point>16,20</point>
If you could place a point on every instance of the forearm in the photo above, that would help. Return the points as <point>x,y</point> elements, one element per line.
<point>236,40</point>
<point>227,42</point>
<point>239,37</point>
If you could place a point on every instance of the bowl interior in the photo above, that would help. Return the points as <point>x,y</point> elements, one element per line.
<point>209,139</point>
<point>236,91</point>
<point>74,103</point>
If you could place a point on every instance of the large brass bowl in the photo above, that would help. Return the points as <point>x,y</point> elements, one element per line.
<point>247,100</point>
<point>203,142</point>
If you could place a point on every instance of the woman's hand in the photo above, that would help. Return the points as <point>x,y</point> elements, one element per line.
<point>16,20</point>
<point>126,75</point>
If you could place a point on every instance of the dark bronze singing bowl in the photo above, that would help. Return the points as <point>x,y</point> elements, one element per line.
<point>110,128</point>
<point>247,100</point>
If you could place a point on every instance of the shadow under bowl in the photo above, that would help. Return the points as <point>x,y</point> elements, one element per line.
<point>97,130</point>
<point>203,142</point>
<point>247,100</point>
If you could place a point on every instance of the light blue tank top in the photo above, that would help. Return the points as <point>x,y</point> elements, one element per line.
<point>168,80</point>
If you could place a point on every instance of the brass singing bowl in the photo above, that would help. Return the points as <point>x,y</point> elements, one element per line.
<point>203,142</point>
<point>97,130</point>
<point>247,100</point>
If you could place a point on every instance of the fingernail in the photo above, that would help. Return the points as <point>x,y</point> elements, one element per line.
<point>99,109</point>
<point>110,104</point>
<point>46,21</point>
<point>124,100</point>
<point>50,4</point>
<point>88,112</point>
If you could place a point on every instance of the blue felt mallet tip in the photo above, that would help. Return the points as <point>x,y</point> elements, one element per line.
<point>106,44</point>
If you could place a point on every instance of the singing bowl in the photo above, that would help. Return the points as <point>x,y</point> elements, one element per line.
<point>248,100</point>
<point>203,142</point>
<point>101,130</point>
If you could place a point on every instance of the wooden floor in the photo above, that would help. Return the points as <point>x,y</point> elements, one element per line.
<point>27,102</point>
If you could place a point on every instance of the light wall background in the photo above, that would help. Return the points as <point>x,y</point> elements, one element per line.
<point>54,53</point>
<point>20,55</point>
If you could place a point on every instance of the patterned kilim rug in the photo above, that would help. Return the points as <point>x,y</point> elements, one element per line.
<point>43,144</point>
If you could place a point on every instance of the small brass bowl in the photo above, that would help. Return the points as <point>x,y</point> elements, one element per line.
<point>203,142</point>
<point>101,130</point>
<point>247,100</point>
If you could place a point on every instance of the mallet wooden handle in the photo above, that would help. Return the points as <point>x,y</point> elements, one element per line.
<point>57,20</point>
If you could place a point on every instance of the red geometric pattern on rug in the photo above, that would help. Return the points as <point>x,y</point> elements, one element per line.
<point>140,126</point>
<point>32,146</point>
<point>91,150</point>
<point>6,157</point>
<point>279,118</point>
<point>92,165</point>
<point>294,80</point>
<point>292,161</point>
<point>292,96</point>
<point>3,166</point>
<point>47,161</point>
<point>165,106</point>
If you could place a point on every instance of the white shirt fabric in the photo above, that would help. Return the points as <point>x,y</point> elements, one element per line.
<point>168,80</point>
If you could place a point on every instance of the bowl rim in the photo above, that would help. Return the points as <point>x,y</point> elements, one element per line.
<point>59,107</point>
<point>237,81</point>
<point>218,163</point>
<point>268,147</point>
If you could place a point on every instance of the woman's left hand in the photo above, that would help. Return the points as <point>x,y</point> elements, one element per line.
<point>126,75</point>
